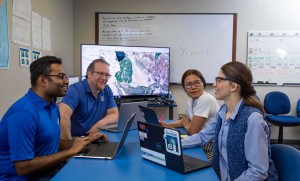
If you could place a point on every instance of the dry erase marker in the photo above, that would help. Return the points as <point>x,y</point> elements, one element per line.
<point>161,117</point>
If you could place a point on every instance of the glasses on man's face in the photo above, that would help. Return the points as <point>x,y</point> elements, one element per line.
<point>63,77</point>
<point>221,79</point>
<point>102,74</point>
<point>189,85</point>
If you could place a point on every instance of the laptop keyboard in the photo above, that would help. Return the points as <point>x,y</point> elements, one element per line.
<point>103,149</point>
<point>190,166</point>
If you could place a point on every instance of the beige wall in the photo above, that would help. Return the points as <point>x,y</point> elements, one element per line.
<point>16,80</point>
<point>73,23</point>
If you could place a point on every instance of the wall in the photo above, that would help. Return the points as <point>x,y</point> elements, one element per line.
<point>16,80</point>
<point>252,15</point>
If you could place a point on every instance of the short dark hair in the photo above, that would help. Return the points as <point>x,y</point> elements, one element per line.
<point>193,72</point>
<point>91,67</point>
<point>42,66</point>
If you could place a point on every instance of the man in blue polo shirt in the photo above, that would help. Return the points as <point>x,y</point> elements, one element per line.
<point>30,146</point>
<point>89,104</point>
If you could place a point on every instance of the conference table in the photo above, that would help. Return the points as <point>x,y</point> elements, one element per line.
<point>129,165</point>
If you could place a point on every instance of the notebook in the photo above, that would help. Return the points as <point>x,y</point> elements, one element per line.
<point>110,149</point>
<point>149,115</point>
<point>125,111</point>
<point>163,146</point>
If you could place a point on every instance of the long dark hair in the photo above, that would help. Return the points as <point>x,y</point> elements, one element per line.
<point>241,74</point>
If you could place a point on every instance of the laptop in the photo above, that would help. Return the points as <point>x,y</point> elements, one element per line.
<point>149,115</point>
<point>163,146</point>
<point>107,150</point>
<point>125,111</point>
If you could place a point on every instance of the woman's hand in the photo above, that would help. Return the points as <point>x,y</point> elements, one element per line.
<point>185,122</point>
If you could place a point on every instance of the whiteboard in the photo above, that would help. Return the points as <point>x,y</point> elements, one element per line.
<point>274,57</point>
<point>199,41</point>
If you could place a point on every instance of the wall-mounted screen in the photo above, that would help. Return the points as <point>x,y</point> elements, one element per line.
<point>136,71</point>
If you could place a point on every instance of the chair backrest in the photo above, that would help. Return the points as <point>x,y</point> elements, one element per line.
<point>287,161</point>
<point>277,103</point>
<point>298,108</point>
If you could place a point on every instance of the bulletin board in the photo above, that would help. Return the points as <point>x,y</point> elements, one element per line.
<point>274,57</point>
<point>197,41</point>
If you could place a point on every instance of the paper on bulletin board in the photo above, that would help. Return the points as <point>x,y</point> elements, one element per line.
<point>46,33</point>
<point>24,57</point>
<point>35,55</point>
<point>36,30</point>
<point>22,9</point>
<point>21,31</point>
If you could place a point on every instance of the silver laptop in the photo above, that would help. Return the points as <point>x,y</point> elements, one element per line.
<point>125,111</point>
<point>110,149</point>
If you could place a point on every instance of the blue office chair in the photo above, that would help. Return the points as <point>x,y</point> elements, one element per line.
<point>278,103</point>
<point>298,108</point>
<point>287,161</point>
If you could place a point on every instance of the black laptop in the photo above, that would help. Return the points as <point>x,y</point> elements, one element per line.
<point>163,146</point>
<point>110,149</point>
<point>149,115</point>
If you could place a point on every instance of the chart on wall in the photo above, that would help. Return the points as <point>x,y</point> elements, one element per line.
<point>197,41</point>
<point>4,38</point>
<point>274,57</point>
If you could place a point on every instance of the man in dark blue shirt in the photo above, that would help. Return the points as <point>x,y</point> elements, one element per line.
<point>89,104</point>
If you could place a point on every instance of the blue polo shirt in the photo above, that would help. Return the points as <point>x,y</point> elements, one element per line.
<point>87,110</point>
<point>28,129</point>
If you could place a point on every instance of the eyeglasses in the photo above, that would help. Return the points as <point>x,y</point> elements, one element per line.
<point>62,77</point>
<point>220,79</point>
<point>102,74</point>
<point>190,84</point>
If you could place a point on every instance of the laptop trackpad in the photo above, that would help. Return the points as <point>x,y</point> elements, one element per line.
<point>191,163</point>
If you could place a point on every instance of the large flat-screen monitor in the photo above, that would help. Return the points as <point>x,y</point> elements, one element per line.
<point>136,71</point>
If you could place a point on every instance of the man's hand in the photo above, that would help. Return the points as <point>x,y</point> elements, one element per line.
<point>95,128</point>
<point>79,144</point>
<point>97,136</point>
